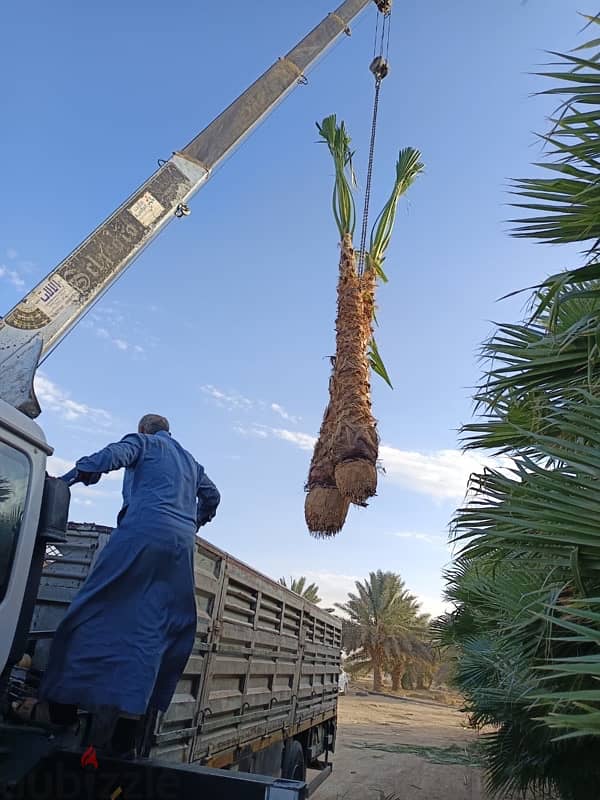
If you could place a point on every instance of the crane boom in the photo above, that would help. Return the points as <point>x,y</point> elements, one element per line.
<point>31,330</point>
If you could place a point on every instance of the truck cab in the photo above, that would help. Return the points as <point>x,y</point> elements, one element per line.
<point>23,536</point>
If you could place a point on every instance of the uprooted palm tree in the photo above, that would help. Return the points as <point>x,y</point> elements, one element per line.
<point>310,591</point>
<point>381,619</point>
<point>526,583</point>
<point>343,469</point>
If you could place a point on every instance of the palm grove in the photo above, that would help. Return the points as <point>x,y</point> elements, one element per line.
<point>383,631</point>
<point>525,585</point>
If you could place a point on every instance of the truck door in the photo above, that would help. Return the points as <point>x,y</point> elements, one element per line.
<point>22,475</point>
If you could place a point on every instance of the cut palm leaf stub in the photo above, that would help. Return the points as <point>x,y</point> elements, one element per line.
<point>355,438</point>
<point>325,511</point>
<point>356,479</point>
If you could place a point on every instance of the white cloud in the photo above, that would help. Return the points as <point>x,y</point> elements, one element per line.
<point>12,276</point>
<point>433,605</point>
<point>109,321</point>
<point>235,401</point>
<point>302,440</point>
<point>82,502</point>
<point>53,398</point>
<point>441,474</point>
<point>333,586</point>
<point>439,541</point>
<point>121,344</point>
<point>11,253</point>
<point>278,409</point>
<point>229,400</point>
<point>255,431</point>
<point>58,466</point>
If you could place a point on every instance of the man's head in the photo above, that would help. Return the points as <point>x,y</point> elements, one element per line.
<point>152,423</point>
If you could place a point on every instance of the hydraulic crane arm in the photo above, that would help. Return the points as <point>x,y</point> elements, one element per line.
<point>30,331</point>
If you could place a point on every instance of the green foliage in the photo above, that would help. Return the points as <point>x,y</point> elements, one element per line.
<point>383,626</point>
<point>338,141</point>
<point>468,755</point>
<point>310,591</point>
<point>376,362</point>
<point>525,585</point>
<point>408,167</point>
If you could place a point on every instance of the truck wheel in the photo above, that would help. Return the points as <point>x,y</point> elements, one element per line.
<point>293,767</point>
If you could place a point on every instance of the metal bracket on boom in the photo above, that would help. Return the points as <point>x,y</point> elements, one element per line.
<point>182,210</point>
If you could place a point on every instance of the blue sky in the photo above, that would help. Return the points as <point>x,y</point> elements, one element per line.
<point>225,323</point>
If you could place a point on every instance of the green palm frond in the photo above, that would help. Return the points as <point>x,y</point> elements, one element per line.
<point>310,591</point>
<point>566,202</point>
<point>338,141</point>
<point>376,362</point>
<point>525,586</point>
<point>408,168</point>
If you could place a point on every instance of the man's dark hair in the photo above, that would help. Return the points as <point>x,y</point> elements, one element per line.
<point>152,423</point>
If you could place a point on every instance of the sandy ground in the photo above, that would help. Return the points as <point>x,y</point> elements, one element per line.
<point>371,758</point>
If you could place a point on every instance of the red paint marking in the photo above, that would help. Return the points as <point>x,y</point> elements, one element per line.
<point>89,758</point>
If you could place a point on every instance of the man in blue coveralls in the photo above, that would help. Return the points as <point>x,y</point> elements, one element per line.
<point>127,636</point>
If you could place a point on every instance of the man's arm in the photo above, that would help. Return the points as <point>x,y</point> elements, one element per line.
<point>114,456</point>
<point>208,498</point>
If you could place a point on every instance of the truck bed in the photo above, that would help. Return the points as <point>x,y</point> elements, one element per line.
<point>265,662</point>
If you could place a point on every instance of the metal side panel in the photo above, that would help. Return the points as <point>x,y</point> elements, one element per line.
<point>317,687</point>
<point>257,663</point>
<point>177,728</point>
<point>65,569</point>
<point>264,659</point>
<point>248,692</point>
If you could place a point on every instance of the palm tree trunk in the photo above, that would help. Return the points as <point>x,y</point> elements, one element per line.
<point>396,678</point>
<point>325,507</point>
<point>377,676</point>
<point>355,442</point>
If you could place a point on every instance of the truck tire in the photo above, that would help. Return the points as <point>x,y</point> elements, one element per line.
<point>293,766</point>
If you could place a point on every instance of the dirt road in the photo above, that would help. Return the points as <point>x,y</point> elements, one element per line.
<point>414,750</point>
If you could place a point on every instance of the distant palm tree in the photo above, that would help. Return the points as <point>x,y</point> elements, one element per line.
<point>5,490</point>
<point>299,586</point>
<point>410,656</point>
<point>382,625</point>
